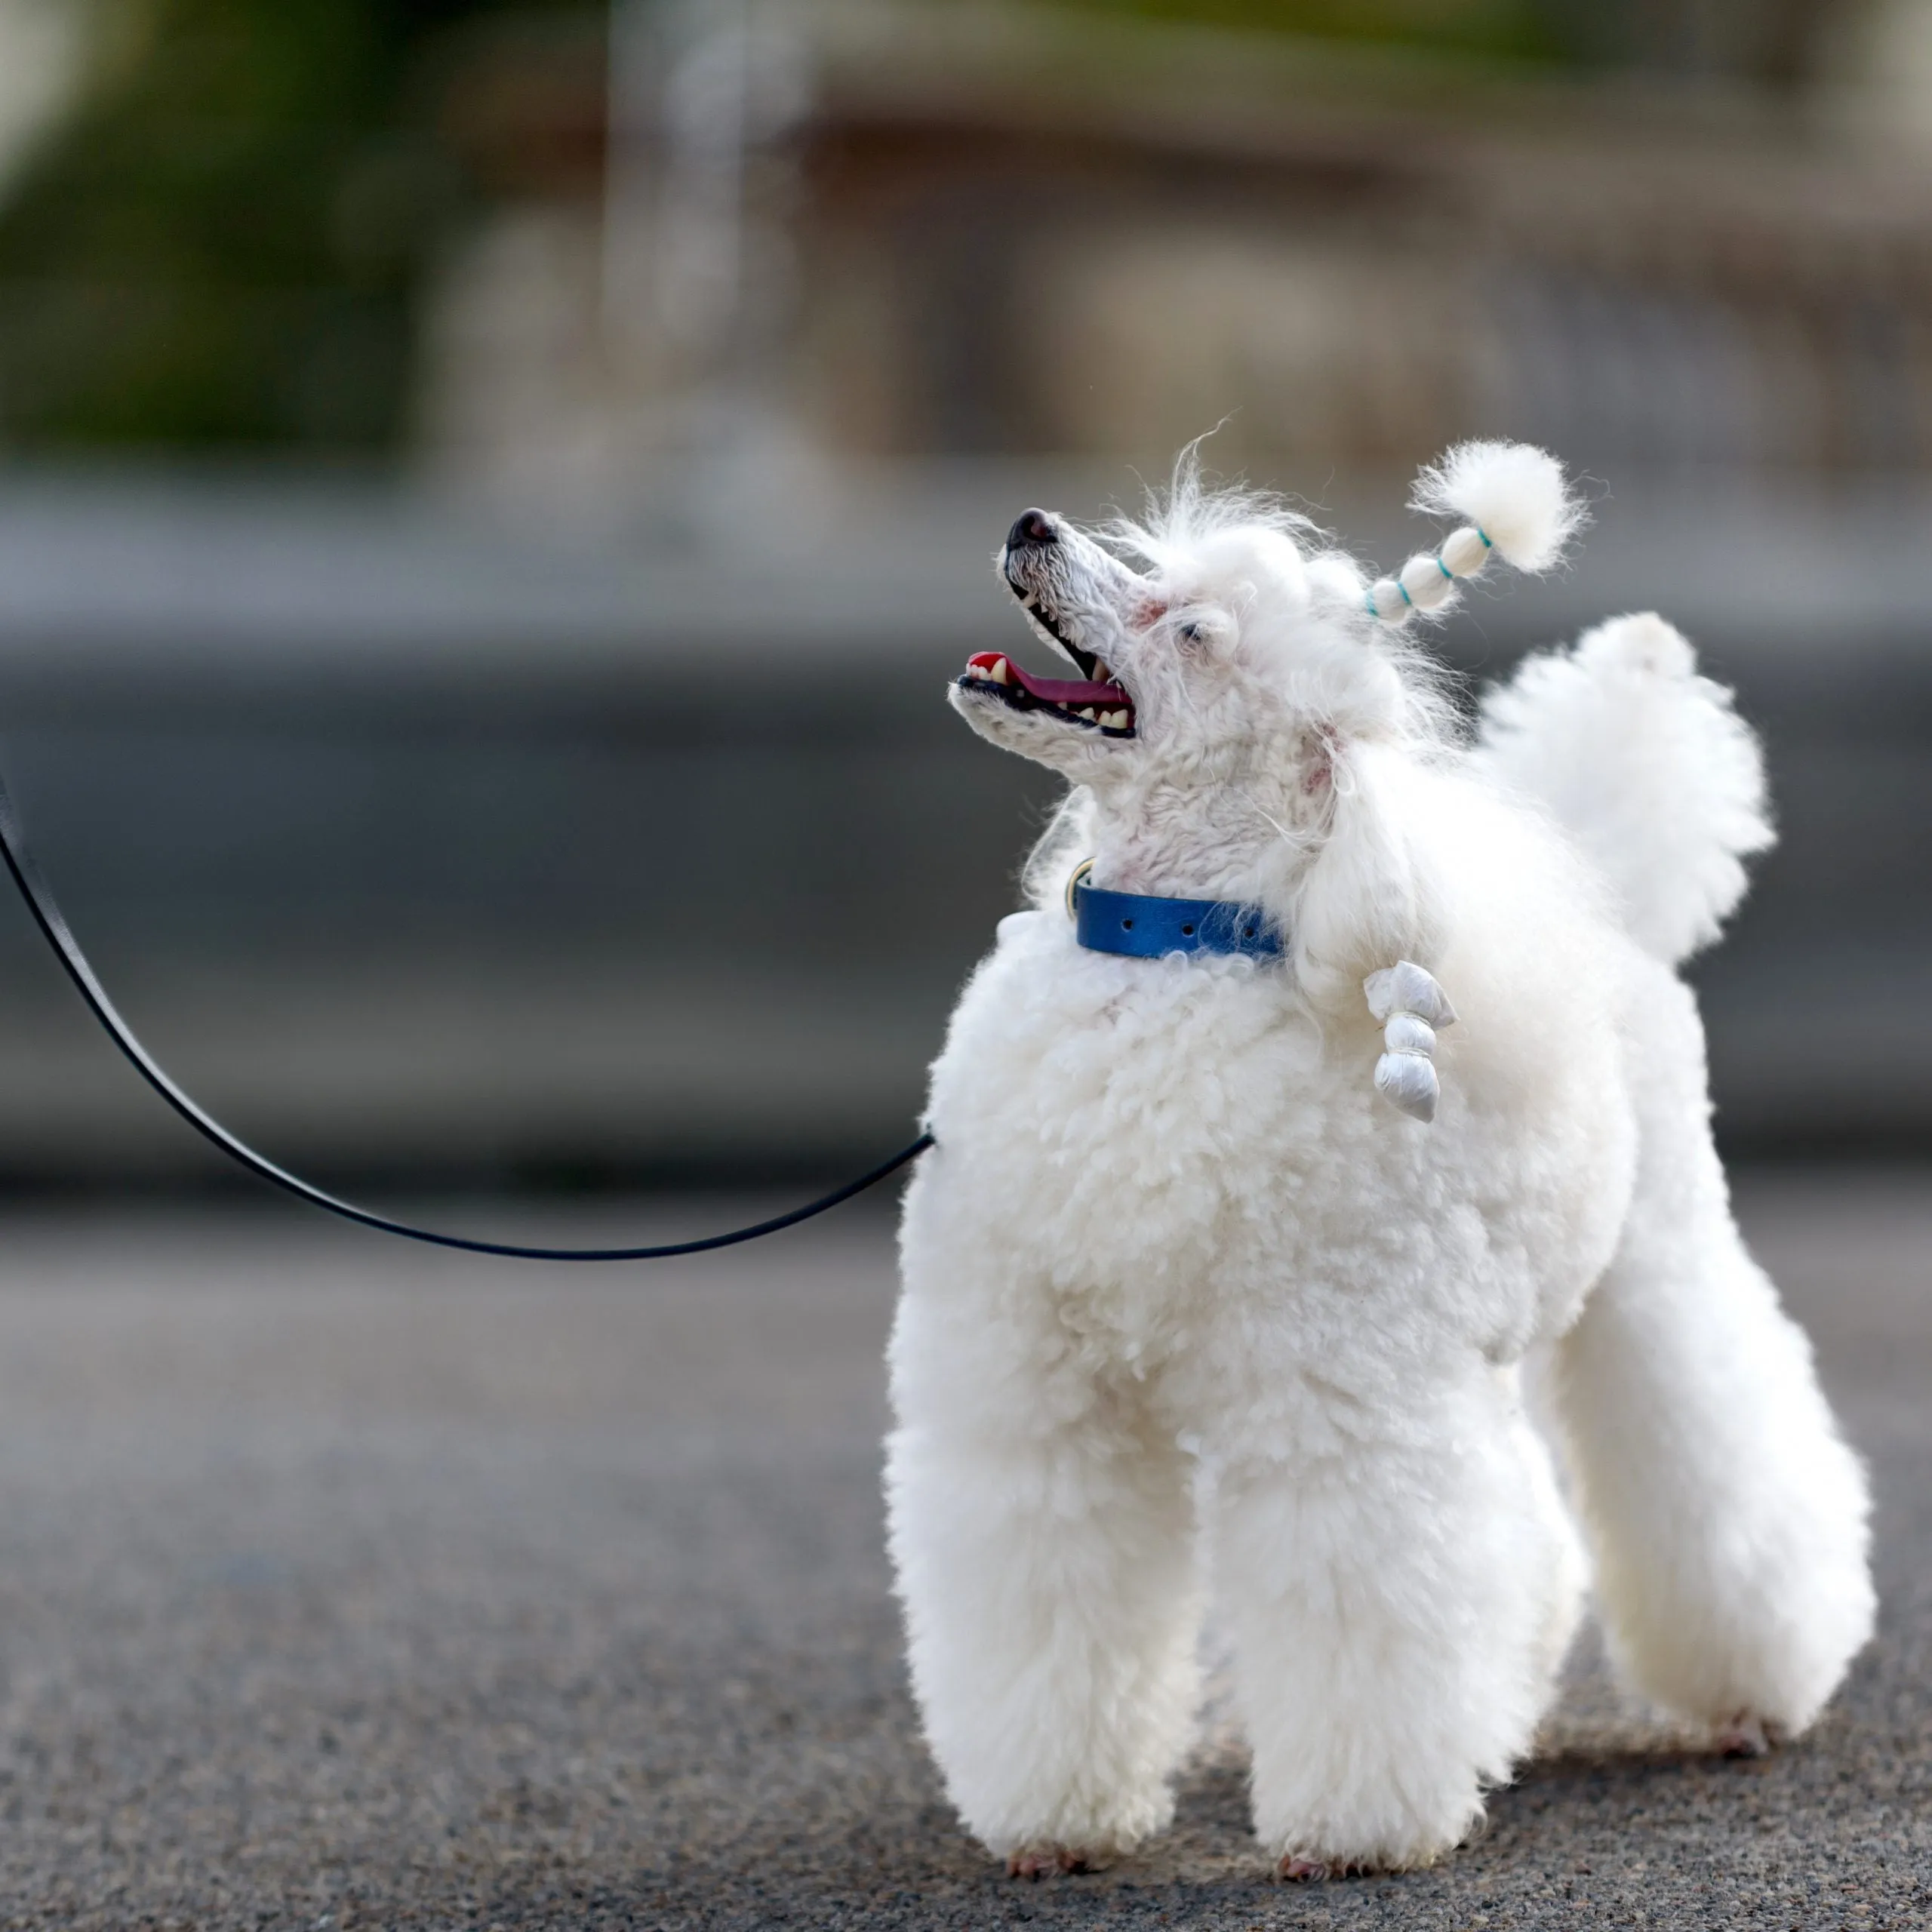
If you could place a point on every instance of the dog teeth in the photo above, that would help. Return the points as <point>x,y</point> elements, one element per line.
<point>1087,713</point>
<point>1115,720</point>
<point>998,673</point>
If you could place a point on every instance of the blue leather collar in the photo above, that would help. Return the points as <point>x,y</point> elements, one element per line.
<point>1139,926</point>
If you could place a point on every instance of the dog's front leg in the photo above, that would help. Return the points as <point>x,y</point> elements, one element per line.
<point>1044,1546</point>
<point>1398,1612</point>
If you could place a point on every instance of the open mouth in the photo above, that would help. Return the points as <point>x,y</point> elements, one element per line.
<point>1094,706</point>
<point>1094,702</point>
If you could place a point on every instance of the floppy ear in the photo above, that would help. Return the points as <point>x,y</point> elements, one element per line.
<point>1369,898</point>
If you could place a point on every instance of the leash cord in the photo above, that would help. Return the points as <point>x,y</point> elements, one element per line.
<point>47,915</point>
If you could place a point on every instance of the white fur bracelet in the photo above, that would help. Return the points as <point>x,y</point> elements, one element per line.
<point>1413,1006</point>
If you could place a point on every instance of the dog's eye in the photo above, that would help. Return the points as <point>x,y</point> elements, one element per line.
<point>1190,633</point>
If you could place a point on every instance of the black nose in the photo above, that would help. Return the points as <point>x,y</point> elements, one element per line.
<point>1031,527</point>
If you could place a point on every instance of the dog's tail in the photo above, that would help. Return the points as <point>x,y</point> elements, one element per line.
<point>1647,765</point>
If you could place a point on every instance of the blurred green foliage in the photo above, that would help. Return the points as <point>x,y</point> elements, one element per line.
<point>1510,29</point>
<point>224,242</point>
<point>1774,42</point>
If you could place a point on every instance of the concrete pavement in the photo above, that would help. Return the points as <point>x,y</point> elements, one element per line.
<point>347,1584</point>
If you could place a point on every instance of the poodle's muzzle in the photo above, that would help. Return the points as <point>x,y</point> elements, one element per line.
<point>1062,580</point>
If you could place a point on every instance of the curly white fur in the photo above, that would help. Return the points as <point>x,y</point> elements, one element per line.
<point>1182,1299</point>
<point>1521,509</point>
<point>1515,496</point>
<point>1656,776</point>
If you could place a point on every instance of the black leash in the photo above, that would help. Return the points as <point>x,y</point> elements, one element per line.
<point>48,917</point>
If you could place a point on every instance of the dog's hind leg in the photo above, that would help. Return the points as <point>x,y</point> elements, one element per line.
<point>1399,1610</point>
<point>1041,1529</point>
<point>1727,1515</point>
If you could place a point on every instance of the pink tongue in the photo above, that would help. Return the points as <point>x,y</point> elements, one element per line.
<point>1055,690</point>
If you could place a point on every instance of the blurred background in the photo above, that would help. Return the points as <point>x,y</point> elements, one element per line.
<point>491,495</point>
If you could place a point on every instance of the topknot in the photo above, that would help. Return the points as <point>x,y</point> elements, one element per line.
<point>1518,504</point>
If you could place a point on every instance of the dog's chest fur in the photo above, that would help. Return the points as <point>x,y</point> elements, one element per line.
<point>1161,1153</point>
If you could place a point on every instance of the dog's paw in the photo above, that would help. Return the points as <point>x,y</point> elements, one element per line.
<point>1036,1861</point>
<point>1747,1736</point>
<point>1295,1869</point>
<point>1406,999</point>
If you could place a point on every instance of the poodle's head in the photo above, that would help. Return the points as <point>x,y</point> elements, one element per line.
<point>1213,646</point>
<point>1221,644</point>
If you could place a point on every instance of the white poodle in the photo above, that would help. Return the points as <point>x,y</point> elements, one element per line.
<point>1351,1080</point>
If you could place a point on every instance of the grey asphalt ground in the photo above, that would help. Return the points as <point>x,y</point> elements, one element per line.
<point>343,1584</point>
